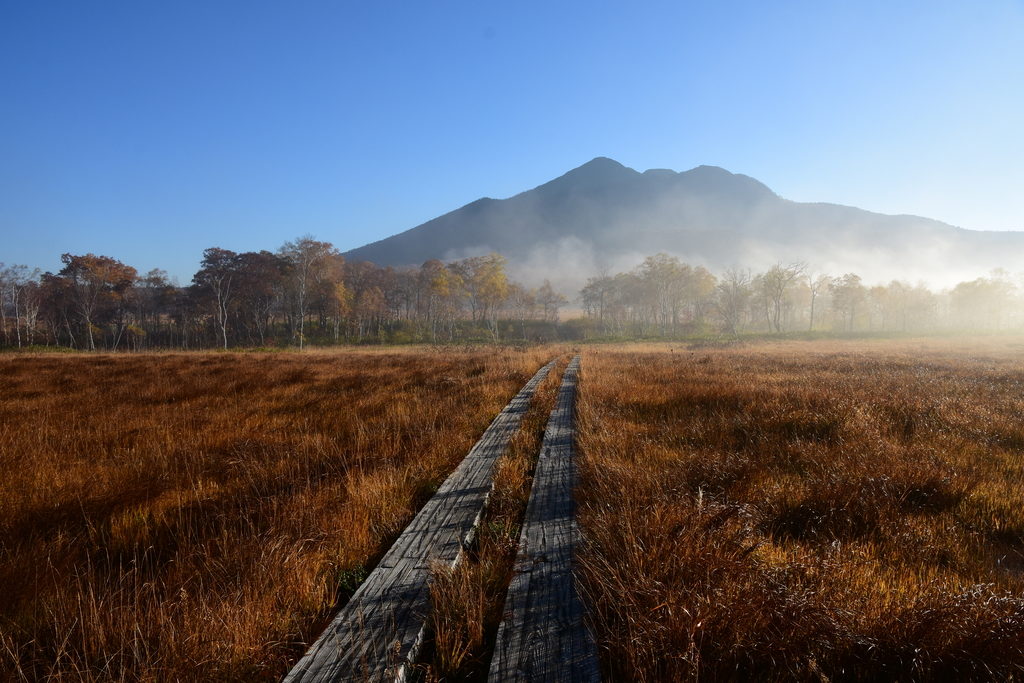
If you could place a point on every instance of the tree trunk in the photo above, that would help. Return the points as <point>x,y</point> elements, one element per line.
<point>17,321</point>
<point>88,329</point>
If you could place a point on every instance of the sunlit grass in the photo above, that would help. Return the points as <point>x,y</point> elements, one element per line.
<point>811,511</point>
<point>197,516</point>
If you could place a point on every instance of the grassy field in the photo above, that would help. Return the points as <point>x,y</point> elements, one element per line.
<point>797,511</point>
<point>196,516</point>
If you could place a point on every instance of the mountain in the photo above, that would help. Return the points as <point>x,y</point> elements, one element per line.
<point>604,216</point>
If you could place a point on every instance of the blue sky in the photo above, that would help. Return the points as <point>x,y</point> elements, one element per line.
<point>149,131</point>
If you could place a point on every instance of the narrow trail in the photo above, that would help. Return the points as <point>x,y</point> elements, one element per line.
<point>543,637</point>
<point>378,634</point>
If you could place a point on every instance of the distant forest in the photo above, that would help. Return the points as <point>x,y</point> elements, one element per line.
<point>306,293</point>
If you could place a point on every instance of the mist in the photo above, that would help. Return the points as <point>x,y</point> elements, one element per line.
<point>605,217</point>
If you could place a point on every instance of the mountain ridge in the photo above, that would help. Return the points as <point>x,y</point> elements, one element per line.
<point>604,215</point>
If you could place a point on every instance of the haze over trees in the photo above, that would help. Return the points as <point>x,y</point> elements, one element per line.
<point>666,297</point>
<point>306,292</point>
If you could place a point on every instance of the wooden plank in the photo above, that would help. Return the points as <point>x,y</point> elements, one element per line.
<point>377,635</point>
<point>542,636</point>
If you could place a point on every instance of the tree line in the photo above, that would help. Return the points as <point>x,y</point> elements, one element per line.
<point>302,293</point>
<point>665,297</point>
<point>305,292</point>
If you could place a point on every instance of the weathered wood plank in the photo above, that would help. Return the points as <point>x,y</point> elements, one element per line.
<point>378,634</point>
<point>542,636</point>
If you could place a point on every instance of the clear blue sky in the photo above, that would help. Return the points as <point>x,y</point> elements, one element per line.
<point>148,131</point>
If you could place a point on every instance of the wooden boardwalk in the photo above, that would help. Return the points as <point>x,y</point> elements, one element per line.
<point>542,636</point>
<point>377,635</point>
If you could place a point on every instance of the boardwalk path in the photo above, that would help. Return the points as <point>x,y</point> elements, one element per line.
<point>542,637</point>
<point>377,635</point>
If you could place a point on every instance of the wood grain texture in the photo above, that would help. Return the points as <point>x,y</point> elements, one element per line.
<point>542,636</point>
<point>377,635</point>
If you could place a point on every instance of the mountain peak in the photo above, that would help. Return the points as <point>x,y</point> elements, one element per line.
<point>598,174</point>
<point>603,213</point>
<point>602,162</point>
<point>600,167</point>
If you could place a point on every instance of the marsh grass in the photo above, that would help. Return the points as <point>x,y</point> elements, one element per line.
<point>805,512</point>
<point>200,516</point>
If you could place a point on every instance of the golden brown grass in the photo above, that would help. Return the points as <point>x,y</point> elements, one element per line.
<point>197,516</point>
<point>467,600</point>
<point>834,511</point>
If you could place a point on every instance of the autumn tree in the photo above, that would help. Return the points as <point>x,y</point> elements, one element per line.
<point>549,301</point>
<point>311,264</point>
<point>847,296</point>
<point>598,296</point>
<point>700,290</point>
<point>258,288</point>
<point>486,286</point>
<point>983,302</point>
<point>772,287</point>
<point>332,299</point>
<point>664,282</point>
<point>154,298</point>
<point>522,304</point>
<point>56,308</point>
<point>370,308</point>
<point>733,297</point>
<point>215,282</point>
<point>440,288</point>
<point>97,285</point>
<point>405,294</point>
